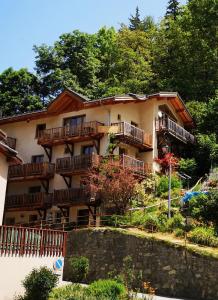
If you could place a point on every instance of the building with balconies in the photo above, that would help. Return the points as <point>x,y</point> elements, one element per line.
<point>61,143</point>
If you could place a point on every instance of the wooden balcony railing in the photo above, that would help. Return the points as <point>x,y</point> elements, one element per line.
<point>31,170</point>
<point>67,133</point>
<point>72,196</point>
<point>133,135</point>
<point>28,201</point>
<point>166,124</point>
<point>9,141</point>
<point>21,241</point>
<point>135,165</point>
<point>76,164</point>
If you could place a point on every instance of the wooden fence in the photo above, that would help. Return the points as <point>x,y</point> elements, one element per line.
<point>21,241</point>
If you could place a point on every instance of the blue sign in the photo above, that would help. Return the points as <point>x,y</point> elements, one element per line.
<point>58,264</point>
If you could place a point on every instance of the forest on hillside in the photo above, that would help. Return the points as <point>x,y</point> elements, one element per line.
<point>179,53</point>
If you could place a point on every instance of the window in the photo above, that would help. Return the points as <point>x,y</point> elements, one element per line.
<point>83,217</point>
<point>9,221</point>
<point>87,149</point>
<point>33,218</point>
<point>74,121</point>
<point>37,158</point>
<point>39,129</point>
<point>58,216</point>
<point>34,189</point>
<point>122,151</point>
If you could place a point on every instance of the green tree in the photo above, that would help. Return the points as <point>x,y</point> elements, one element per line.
<point>72,62</point>
<point>173,9</point>
<point>135,21</point>
<point>19,92</point>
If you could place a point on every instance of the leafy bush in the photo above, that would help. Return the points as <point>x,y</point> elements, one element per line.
<point>68,292</point>
<point>79,267</point>
<point>151,222</point>
<point>205,208</point>
<point>203,236</point>
<point>107,288</point>
<point>115,220</point>
<point>162,187</point>
<point>177,221</point>
<point>179,232</point>
<point>39,283</point>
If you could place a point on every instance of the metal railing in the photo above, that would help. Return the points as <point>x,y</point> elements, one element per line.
<point>166,124</point>
<point>65,132</point>
<point>31,169</point>
<point>21,241</point>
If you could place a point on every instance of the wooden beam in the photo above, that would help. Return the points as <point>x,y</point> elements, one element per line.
<point>45,184</point>
<point>96,144</point>
<point>70,148</point>
<point>48,151</point>
<point>67,180</point>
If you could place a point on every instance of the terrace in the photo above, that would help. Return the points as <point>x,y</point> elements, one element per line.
<point>31,171</point>
<point>69,134</point>
<point>76,164</point>
<point>165,124</point>
<point>132,135</point>
<point>28,201</point>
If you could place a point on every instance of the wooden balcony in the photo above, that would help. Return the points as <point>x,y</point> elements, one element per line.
<point>9,141</point>
<point>135,165</point>
<point>28,201</point>
<point>77,164</point>
<point>133,135</point>
<point>31,242</point>
<point>72,196</point>
<point>69,134</point>
<point>165,124</point>
<point>31,171</point>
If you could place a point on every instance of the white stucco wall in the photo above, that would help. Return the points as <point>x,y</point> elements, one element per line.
<point>15,269</point>
<point>3,183</point>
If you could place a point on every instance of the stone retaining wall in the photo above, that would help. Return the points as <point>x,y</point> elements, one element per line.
<point>172,270</point>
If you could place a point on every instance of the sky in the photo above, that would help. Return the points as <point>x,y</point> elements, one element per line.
<point>24,23</point>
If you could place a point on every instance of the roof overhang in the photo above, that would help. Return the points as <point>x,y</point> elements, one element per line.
<point>68,101</point>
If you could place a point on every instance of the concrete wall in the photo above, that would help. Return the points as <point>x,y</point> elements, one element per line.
<point>3,184</point>
<point>171,269</point>
<point>15,269</point>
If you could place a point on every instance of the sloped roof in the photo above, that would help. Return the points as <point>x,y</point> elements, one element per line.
<point>69,100</point>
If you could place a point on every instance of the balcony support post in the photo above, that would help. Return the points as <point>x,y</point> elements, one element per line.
<point>67,180</point>
<point>96,143</point>
<point>64,212</point>
<point>45,184</point>
<point>42,213</point>
<point>48,151</point>
<point>70,148</point>
<point>92,213</point>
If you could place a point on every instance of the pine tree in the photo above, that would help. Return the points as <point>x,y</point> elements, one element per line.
<point>135,21</point>
<point>173,9</point>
